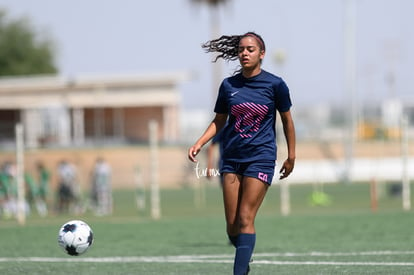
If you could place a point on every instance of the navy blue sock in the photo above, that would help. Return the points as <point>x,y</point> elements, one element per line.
<point>244,251</point>
<point>233,240</point>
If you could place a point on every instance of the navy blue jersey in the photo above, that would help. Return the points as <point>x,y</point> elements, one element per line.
<point>251,104</point>
<point>217,140</point>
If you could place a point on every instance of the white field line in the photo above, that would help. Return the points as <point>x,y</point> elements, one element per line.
<point>227,258</point>
<point>335,263</point>
<point>336,254</point>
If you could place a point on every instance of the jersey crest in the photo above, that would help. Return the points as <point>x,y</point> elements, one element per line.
<point>248,116</point>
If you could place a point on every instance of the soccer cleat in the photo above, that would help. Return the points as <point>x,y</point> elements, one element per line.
<point>248,270</point>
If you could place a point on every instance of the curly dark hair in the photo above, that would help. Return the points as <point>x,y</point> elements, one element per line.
<point>227,45</point>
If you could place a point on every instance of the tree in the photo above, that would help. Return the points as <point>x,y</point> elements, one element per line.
<point>22,50</point>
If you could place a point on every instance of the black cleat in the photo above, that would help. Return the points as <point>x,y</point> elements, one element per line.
<point>248,270</point>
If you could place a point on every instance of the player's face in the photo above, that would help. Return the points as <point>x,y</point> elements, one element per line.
<point>250,55</point>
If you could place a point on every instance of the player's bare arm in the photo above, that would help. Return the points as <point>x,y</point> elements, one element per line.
<point>215,126</point>
<point>289,131</point>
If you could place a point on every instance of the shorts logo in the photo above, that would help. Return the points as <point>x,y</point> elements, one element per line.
<point>262,176</point>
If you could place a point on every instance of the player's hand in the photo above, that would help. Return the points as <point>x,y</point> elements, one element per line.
<point>192,152</point>
<point>287,168</point>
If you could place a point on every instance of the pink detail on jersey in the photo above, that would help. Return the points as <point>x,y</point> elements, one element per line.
<point>248,117</point>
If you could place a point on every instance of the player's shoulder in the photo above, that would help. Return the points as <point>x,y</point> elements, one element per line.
<point>234,80</point>
<point>235,77</point>
<point>275,81</point>
<point>271,77</point>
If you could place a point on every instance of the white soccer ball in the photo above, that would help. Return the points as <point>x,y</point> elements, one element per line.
<point>75,237</point>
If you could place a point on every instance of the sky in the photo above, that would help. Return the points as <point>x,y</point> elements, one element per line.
<point>136,36</point>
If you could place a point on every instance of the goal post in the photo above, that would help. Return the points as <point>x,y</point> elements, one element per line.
<point>154,179</point>
<point>284,198</point>
<point>406,191</point>
<point>140,196</point>
<point>21,202</point>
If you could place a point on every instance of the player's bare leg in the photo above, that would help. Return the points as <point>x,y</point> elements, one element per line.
<point>231,198</point>
<point>253,193</point>
<point>242,199</point>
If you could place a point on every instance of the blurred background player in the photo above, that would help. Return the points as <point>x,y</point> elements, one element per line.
<point>68,189</point>
<point>101,193</point>
<point>43,188</point>
<point>247,102</point>
<point>31,191</point>
<point>8,190</point>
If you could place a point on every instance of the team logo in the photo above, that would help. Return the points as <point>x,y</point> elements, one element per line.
<point>249,116</point>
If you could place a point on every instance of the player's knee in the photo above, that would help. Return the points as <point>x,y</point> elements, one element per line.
<point>246,221</point>
<point>232,229</point>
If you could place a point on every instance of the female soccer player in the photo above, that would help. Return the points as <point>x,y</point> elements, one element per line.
<point>248,102</point>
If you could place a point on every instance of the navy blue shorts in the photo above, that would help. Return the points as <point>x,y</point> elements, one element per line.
<point>262,170</point>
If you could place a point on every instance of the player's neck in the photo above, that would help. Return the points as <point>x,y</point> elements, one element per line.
<point>247,73</point>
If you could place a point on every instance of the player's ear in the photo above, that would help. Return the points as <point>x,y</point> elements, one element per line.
<point>262,54</point>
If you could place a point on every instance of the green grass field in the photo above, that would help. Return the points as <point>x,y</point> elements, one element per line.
<point>343,238</point>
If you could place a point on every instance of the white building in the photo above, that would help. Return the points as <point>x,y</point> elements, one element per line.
<point>63,111</point>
